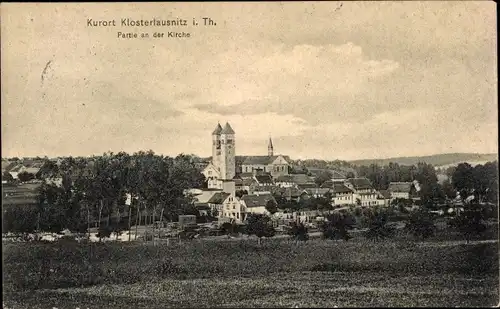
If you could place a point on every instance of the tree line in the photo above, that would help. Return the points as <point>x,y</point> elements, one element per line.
<point>95,190</point>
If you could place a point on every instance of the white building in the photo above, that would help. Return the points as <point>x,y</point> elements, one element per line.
<point>363,192</point>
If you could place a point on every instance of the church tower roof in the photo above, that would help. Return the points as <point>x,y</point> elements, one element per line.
<point>217,130</point>
<point>227,129</point>
<point>270,150</point>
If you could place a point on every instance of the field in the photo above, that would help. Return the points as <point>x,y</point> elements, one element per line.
<point>278,273</point>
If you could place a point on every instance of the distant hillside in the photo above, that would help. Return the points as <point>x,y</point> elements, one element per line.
<point>436,160</point>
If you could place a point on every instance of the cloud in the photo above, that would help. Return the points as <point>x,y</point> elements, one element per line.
<point>368,79</point>
<point>295,81</point>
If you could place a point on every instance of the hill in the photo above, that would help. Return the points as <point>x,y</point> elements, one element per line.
<point>436,160</point>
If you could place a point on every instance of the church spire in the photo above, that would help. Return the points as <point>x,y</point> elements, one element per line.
<point>218,129</point>
<point>270,150</point>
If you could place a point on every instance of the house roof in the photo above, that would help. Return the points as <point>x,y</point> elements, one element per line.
<point>385,194</point>
<point>306,185</point>
<point>244,181</point>
<point>340,188</point>
<point>337,175</point>
<point>32,170</point>
<point>257,160</point>
<point>8,166</point>
<point>264,178</point>
<point>218,198</point>
<point>17,168</point>
<point>245,175</point>
<point>360,183</point>
<point>201,206</point>
<point>288,191</point>
<point>256,200</point>
<point>262,160</point>
<point>403,187</point>
<point>296,178</point>
<point>217,130</point>
<point>227,129</point>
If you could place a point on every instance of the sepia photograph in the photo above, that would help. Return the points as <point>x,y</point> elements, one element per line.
<point>321,154</point>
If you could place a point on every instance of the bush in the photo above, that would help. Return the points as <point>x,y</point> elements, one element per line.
<point>337,226</point>
<point>298,231</point>
<point>378,228</point>
<point>471,222</point>
<point>260,226</point>
<point>421,224</point>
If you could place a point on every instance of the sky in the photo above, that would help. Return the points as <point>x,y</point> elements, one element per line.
<point>325,80</point>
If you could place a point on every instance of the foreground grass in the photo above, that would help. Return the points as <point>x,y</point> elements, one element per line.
<point>242,274</point>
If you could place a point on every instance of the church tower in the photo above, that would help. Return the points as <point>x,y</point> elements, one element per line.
<point>227,153</point>
<point>270,149</point>
<point>216,145</point>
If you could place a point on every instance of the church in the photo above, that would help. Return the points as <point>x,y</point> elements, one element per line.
<point>225,167</point>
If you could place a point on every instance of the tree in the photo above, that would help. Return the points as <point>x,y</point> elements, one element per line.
<point>272,206</point>
<point>421,224</point>
<point>240,193</point>
<point>323,177</point>
<point>25,176</point>
<point>377,227</point>
<point>298,231</point>
<point>6,176</point>
<point>19,219</point>
<point>449,190</point>
<point>337,226</point>
<point>471,222</point>
<point>260,226</point>
<point>463,180</point>
<point>227,228</point>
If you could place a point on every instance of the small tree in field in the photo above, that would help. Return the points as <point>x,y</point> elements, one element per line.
<point>298,232</point>
<point>421,225</point>
<point>471,222</point>
<point>337,226</point>
<point>260,226</point>
<point>378,228</point>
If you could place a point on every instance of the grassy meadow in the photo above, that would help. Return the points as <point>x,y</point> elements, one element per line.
<point>278,273</point>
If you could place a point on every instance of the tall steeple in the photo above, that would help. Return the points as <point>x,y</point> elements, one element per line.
<point>228,153</point>
<point>270,149</point>
<point>216,145</point>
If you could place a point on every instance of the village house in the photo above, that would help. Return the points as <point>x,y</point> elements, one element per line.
<point>342,195</point>
<point>256,203</point>
<point>246,184</point>
<point>216,202</point>
<point>364,193</point>
<point>289,193</point>
<point>403,190</point>
<point>294,180</point>
<point>385,197</point>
